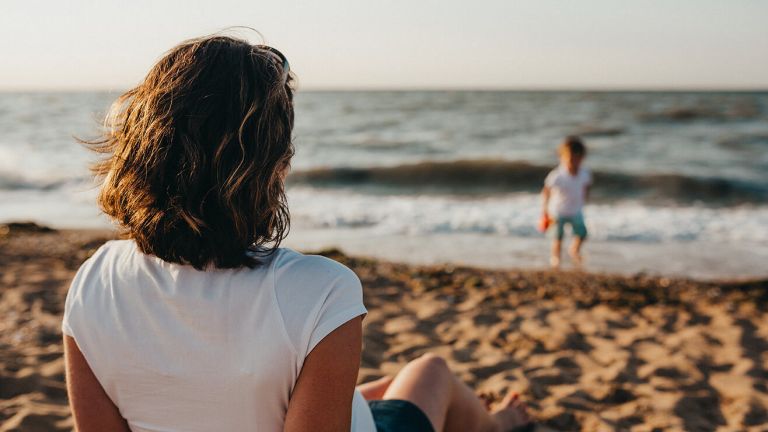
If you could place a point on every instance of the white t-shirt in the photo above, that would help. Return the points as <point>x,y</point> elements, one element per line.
<point>177,349</point>
<point>567,190</point>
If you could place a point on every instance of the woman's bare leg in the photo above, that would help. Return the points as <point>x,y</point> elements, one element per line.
<point>448,403</point>
<point>375,389</point>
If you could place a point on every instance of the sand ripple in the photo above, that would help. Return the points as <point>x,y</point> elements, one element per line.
<point>588,352</point>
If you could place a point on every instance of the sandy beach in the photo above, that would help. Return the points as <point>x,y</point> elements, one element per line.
<point>588,352</point>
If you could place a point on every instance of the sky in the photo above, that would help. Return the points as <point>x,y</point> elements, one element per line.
<point>402,44</point>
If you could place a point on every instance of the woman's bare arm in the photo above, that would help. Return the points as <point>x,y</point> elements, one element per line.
<point>322,398</point>
<point>92,409</point>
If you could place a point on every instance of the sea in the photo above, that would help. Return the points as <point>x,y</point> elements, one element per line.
<point>453,177</point>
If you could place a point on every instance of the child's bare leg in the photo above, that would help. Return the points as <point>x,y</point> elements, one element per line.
<point>554,259</point>
<point>575,250</point>
<point>375,389</point>
<point>448,403</point>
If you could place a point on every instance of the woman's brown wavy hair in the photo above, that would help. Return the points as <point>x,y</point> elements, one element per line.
<point>197,154</point>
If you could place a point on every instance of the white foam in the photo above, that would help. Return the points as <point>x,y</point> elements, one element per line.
<point>516,216</point>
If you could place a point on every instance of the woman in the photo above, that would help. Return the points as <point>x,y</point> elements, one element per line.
<point>197,321</point>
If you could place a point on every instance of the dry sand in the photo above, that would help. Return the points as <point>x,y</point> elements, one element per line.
<point>588,352</point>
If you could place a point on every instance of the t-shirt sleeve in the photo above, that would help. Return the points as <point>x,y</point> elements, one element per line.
<point>551,179</point>
<point>316,296</point>
<point>66,327</point>
<point>343,303</point>
<point>73,305</point>
<point>587,177</point>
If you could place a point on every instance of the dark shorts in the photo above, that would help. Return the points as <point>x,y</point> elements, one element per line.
<point>577,225</point>
<point>395,415</point>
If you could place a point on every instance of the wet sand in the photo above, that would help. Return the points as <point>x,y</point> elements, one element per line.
<point>699,260</point>
<point>587,351</point>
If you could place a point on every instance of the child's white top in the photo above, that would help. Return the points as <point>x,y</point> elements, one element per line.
<point>568,190</point>
<point>178,349</point>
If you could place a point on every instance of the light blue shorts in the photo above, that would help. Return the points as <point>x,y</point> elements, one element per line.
<point>577,226</point>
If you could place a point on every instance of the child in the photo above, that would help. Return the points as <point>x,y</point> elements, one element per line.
<point>568,186</point>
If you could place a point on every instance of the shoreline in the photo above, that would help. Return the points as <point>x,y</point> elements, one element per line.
<point>698,262</point>
<point>587,351</point>
<point>482,252</point>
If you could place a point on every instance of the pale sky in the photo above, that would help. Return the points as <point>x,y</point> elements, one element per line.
<point>403,44</point>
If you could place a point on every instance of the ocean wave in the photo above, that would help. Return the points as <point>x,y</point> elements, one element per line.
<point>757,142</point>
<point>735,112</point>
<point>467,177</point>
<point>517,215</point>
<point>591,131</point>
<point>12,182</point>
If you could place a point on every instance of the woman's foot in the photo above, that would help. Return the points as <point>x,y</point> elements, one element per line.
<point>512,414</point>
<point>554,261</point>
<point>487,398</point>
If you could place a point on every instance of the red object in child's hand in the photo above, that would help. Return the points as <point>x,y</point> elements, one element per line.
<point>544,222</point>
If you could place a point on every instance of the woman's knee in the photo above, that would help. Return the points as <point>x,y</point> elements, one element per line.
<point>431,363</point>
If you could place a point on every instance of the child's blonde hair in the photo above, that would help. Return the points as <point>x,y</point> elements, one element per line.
<point>572,145</point>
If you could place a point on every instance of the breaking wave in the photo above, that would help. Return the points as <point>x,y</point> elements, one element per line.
<point>465,177</point>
